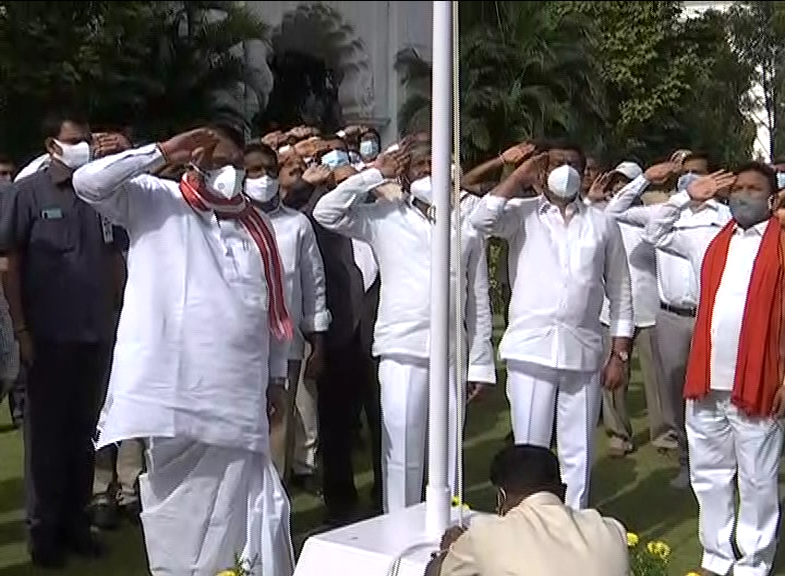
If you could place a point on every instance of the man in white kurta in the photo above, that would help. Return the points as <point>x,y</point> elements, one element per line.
<point>399,232</point>
<point>192,361</point>
<point>293,439</point>
<point>564,257</point>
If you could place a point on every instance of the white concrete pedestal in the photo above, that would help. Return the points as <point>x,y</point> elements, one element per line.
<point>368,548</point>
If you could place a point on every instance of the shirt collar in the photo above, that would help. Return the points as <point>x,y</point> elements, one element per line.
<point>758,229</point>
<point>575,207</point>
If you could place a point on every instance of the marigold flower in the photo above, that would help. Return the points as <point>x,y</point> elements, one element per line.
<point>632,540</point>
<point>457,502</point>
<point>659,549</point>
<point>228,573</point>
<point>692,574</point>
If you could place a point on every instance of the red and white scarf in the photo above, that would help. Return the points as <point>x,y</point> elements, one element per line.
<point>237,208</point>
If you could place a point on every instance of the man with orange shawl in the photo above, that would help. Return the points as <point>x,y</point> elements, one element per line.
<point>734,383</point>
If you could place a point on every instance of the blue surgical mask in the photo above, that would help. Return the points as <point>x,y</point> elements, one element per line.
<point>780,180</point>
<point>335,159</point>
<point>685,180</point>
<point>369,148</point>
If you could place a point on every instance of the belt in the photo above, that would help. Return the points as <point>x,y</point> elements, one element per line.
<point>687,312</point>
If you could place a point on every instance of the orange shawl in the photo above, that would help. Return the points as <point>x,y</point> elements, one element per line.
<point>759,366</point>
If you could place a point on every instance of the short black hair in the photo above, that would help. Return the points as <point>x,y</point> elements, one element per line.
<point>230,131</point>
<point>564,144</point>
<point>524,469</point>
<point>762,169</point>
<point>697,156</point>
<point>373,132</point>
<point>54,120</point>
<point>261,148</point>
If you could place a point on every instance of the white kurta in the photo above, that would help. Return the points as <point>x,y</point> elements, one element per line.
<point>400,236</point>
<point>559,271</point>
<point>724,443</point>
<point>305,289</point>
<point>190,370</point>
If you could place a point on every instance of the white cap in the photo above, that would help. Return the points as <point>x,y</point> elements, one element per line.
<point>629,170</point>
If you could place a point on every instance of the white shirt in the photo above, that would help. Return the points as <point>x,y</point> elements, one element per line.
<point>34,166</point>
<point>400,236</point>
<point>677,283</point>
<point>728,310</point>
<point>193,350</point>
<point>305,288</point>
<point>559,273</point>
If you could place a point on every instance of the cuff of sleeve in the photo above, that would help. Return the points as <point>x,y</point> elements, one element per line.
<point>319,322</point>
<point>680,200</point>
<point>495,203</point>
<point>482,373</point>
<point>372,177</point>
<point>622,329</point>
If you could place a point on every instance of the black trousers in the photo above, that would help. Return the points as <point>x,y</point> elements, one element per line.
<point>65,390</point>
<point>339,393</point>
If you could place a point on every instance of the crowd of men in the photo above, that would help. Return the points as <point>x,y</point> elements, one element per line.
<point>234,305</point>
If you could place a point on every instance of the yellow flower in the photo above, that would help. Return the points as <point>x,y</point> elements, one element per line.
<point>228,573</point>
<point>632,540</point>
<point>693,574</point>
<point>659,549</point>
<point>456,502</point>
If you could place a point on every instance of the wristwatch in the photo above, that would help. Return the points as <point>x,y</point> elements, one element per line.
<point>621,355</point>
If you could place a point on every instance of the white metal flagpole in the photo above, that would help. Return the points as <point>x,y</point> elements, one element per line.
<point>437,497</point>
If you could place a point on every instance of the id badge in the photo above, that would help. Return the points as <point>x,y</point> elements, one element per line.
<point>107,229</point>
<point>51,214</point>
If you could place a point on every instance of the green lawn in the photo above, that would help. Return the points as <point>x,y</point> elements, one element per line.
<point>635,490</point>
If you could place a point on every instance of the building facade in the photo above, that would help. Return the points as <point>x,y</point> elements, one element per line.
<point>356,41</point>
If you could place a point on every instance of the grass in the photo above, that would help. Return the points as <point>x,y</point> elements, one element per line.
<point>635,490</point>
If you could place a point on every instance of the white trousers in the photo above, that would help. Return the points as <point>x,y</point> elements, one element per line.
<point>537,393</point>
<point>729,451</point>
<point>404,396</point>
<point>204,505</point>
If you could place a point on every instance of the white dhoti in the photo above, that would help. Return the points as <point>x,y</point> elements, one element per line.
<point>404,397</point>
<point>204,505</point>
<point>536,393</point>
<point>729,450</point>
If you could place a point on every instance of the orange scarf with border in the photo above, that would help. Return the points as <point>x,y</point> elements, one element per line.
<point>759,367</point>
<point>238,208</point>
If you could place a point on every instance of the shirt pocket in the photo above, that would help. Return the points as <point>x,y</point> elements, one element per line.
<point>54,235</point>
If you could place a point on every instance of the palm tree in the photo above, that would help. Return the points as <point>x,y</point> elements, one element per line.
<point>527,70</point>
<point>198,69</point>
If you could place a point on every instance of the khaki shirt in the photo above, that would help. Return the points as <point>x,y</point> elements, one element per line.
<point>540,537</point>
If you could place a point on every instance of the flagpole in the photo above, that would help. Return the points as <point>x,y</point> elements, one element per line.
<point>437,495</point>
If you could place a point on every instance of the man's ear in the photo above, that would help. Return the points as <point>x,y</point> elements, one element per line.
<point>52,147</point>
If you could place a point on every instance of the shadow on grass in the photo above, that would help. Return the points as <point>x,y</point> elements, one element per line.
<point>12,494</point>
<point>650,508</point>
<point>12,532</point>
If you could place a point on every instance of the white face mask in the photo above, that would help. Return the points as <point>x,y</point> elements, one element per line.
<point>261,189</point>
<point>564,182</point>
<point>226,182</point>
<point>73,155</point>
<point>422,190</point>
